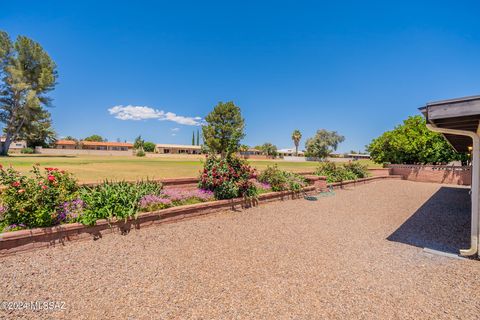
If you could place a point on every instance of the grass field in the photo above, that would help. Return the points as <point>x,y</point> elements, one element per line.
<point>97,168</point>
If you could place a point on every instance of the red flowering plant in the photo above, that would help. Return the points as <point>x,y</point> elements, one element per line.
<point>34,200</point>
<point>228,178</point>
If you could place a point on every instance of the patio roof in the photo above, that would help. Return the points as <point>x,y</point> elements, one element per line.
<point>458,114</point>
<point>457,120</point>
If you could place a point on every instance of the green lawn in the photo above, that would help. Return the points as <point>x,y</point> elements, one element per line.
<point>97,168</point>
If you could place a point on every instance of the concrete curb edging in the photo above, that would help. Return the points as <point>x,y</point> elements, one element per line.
<point>31,239</point>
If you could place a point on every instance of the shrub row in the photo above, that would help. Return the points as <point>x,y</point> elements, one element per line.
<point>280,180</point>
<point>343,172</point>
<point>51,197</point>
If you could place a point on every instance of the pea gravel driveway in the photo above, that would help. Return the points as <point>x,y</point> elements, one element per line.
<point>356,255</point>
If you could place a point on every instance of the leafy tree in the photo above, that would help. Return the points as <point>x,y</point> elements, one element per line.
<point>95,138</point>
<point>27,74</point>
<point>149,146</point>
<point>269,149</point>
<point>193,138</point>
<point>243,148</point>
<point>412,142</point>
<point>224,129</point>
<point>70,138</point>
<point>323,143</point>
<point>296,136</point>
<point>198,137</point>
<point>139,143</point>
<point>39,133</point>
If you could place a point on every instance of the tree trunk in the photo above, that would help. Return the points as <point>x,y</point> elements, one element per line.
<point>6,145</point>
<point>296,150</point>
<point>9,138</point>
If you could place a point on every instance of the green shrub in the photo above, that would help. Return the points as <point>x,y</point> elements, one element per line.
<point>149,146</point>
<point>228,178</point>
<point>27,151</point>
<point>34,201</point>
<point>358,169</point>
<point>338,173</point>
<point>280,180</point>
<point>115,199</point>
<point>140,153</point>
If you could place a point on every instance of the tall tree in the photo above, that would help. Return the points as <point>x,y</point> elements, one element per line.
<point>95,138</point>
<point>296,137</point>
<point>412,142</point>
<point>39,133</point>
<point>193,138</point>
<point>27,74</point>
<point>198,137</point>
<point>224,129</point>
<point>269,149</point>
<point>139,143</point>
<point>323,143</point>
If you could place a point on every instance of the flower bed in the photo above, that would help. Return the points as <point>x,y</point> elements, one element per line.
<point>52,197</point>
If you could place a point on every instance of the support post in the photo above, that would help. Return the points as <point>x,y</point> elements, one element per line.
<point>475,188</point>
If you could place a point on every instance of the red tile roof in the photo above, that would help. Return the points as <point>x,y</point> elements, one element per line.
<point>106,144</point>
<point>66,142</point>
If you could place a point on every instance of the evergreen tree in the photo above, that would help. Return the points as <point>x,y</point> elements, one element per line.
<point>27,74</point>
<point>224,129</point>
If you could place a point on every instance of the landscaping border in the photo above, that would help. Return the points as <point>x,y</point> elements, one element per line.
<point>31,239</point>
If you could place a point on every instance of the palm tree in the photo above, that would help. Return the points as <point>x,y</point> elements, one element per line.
<point>296,136</point>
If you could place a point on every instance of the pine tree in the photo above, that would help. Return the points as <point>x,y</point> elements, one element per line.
<point>27,74</point>
<point>198,137</point>
<point>193,138</point>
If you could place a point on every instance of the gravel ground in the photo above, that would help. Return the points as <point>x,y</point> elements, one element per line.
<point>356,255</point>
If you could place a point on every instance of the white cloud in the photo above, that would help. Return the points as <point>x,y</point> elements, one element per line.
<point>175,129</point>
<point>144,113</point>
<point>174,134</point>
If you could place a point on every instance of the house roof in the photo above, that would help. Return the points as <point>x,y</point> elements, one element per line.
<point>461,114</point>
<point>289,150</point>
<point>66,142</point>
<point>178,146</point>
<point>107,144</point>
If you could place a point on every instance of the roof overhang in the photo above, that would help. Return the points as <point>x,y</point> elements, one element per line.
<point>458,114</point>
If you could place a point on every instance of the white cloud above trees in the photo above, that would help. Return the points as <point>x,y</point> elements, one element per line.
<point>136,113</point>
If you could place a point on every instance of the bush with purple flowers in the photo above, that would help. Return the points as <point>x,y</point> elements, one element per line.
<point>153,202</point>
<point>174,197</point>
<point>70,211</point>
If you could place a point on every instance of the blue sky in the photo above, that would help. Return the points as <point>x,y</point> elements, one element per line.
<point>357,67</point>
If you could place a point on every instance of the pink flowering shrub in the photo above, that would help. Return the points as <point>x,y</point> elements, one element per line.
<point>228,178</point>
<point>33,201</point>
<point>174,197</point>
<point>153,202</point>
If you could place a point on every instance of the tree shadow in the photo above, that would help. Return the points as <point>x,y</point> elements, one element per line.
<point>442,223</point>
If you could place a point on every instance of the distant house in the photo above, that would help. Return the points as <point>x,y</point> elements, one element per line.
<point>251,152</point>
<point>289,152</point>
<point>15,146</point>
<point>92,145</point>
<point>109,146</point>
<point>65,144</point>
<point>357,156</point>
<point>177,149</point>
